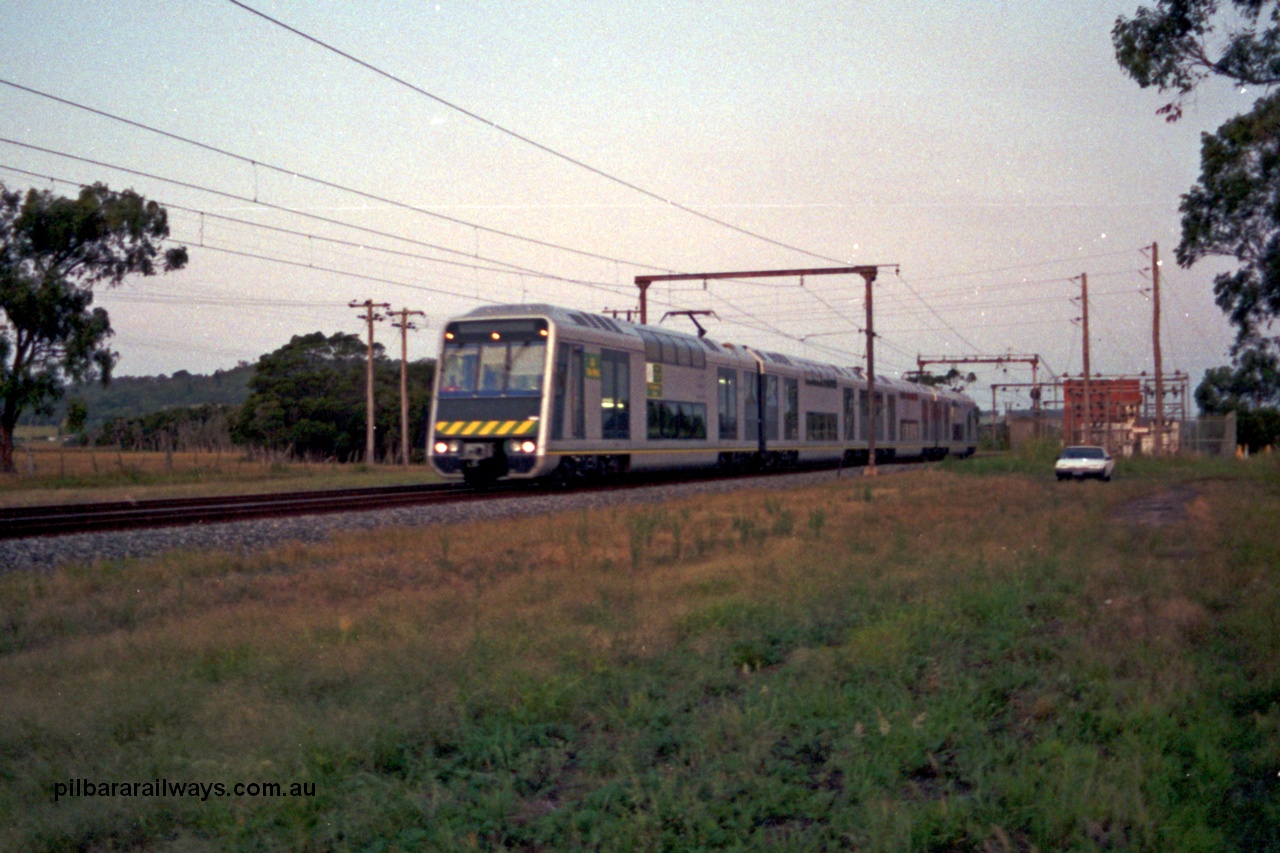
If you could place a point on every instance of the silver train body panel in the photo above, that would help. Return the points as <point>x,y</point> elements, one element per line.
<point>528,391</point>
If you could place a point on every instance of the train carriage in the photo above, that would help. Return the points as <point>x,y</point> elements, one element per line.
<point>528,391</point>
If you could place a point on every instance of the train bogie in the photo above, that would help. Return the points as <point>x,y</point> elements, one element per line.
<point>539,391</point>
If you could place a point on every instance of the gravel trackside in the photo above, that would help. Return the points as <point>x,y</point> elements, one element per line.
<point>44,553</point>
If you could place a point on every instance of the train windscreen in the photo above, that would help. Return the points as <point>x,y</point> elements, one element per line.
<point>505,358</point>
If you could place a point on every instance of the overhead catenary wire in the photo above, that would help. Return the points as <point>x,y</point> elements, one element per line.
<point>509,268</point>
<point>614,287</point>
<point>293,173</point>
<point>525,139</point>
<point>562,156</point>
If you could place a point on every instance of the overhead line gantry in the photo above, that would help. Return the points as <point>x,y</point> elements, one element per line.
<point>868,273</point>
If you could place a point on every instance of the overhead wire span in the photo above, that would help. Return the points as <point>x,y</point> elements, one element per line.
<point>292,173</point>
<point>546,149</point>
<point>508,268</point>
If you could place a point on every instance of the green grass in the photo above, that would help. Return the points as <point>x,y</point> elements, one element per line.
<point>53,476</point>
<point>934,662</point>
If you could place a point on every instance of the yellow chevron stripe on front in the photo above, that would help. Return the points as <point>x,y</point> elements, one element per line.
<point>472,427</point>
<point>525,427</point>
<point>489,427</point>
<point>452,428</point>
<point>506,427</point>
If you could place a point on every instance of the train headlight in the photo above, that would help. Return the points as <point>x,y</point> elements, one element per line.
<point>528,447</point>
<point>442,447</point>
<point>515,445</point>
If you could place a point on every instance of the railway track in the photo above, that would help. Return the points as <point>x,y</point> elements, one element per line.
<point>63,519</point>
<point>66,519</point>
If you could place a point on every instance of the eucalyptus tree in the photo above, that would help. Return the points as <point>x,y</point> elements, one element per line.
<point>53,252</point>
<point>1233,210</point>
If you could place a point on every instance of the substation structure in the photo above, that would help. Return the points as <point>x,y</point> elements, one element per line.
<point>1115,412</point>
<point>1123,414</point>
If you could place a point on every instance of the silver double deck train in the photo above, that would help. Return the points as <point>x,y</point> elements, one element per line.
<point>528,391</point>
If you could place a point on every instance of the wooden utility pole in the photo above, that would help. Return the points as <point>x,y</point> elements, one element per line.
<point>404,326</point>
<point>370,316</point>
<point>869,275</point>
<point>1084,322</point>
<point>1155,342</point>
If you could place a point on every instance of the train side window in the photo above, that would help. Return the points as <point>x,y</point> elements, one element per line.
<point>893,417</point>
<point>864,414</point>
<point>695,420</point>
<point>669,419</point>
<point>751,405</point>
<point>820,426</point>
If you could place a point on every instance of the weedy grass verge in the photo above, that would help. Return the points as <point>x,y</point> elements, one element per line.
<point>936,661</point>
<point>54,475</point>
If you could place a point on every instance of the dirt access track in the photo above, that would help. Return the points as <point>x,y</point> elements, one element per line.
<point>1170,506</point>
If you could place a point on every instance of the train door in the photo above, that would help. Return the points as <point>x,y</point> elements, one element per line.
<point>790,409</point>
<point>850,420</point>
<point>570,412</point>
<point>771,407</point>
<point>615,394</point>
<point>727,402</point>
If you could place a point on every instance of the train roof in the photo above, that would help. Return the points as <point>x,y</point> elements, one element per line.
<point>611,325</point>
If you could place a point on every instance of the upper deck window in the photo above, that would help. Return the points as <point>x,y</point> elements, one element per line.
<point>662,348</point>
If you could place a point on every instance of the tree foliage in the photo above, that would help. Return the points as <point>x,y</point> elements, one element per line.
<point>953,379</point>
<point>308,399</point>
<point>53,252</point>
<point>205,426</point>
<point>1233,210</point>
<point>1249,390</point>
<point>1177,44</point>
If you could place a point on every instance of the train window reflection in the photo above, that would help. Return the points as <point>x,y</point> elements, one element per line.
<point>527,361</point>
<point>496,369</point>
<point>493,368</point>
<point>458,375</point>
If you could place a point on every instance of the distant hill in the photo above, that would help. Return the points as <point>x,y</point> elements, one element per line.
<point>133,396</point>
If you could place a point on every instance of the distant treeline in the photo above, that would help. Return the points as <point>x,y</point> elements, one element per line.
<point>306,399</point>
<point>132,397</point>
<point>202,427</point>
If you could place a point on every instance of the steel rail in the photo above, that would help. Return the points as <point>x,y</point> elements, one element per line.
<point>63,519</point>
<point>72,518</point>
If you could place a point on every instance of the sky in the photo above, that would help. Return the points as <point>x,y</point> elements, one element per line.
<point>439,156</point>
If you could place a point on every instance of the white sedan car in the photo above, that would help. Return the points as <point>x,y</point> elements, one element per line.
<point>1082,462</point>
